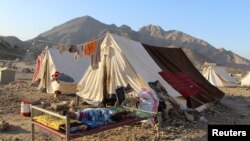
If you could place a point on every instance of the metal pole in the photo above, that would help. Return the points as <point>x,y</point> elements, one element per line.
<point>104,81</point>
<point>32,127</point>
<point>77,100</point>
<point>49,112</point>
<point>67,128</point>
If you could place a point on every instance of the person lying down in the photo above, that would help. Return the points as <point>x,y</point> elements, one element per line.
<point>94,117</point>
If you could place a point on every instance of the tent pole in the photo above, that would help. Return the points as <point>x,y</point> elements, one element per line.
<point>104,81</point>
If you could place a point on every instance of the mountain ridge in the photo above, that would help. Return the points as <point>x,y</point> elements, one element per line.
<point>9,51</point>
<point>82,29</point>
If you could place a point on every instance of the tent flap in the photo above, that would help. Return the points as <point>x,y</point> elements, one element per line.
<point>175,60</point>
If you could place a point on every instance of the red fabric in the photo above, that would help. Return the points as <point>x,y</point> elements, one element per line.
<point>56,74</point>
<point>89,47</point>
<point>37,68</point>
<point>182,83</point>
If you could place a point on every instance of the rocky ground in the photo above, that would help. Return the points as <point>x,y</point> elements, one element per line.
<point>233,109</point>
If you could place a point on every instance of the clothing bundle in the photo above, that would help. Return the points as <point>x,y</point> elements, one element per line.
<point>91,48</point>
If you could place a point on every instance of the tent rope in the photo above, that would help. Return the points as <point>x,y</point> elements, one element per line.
<point>53,42</point>
<point>211,108</point>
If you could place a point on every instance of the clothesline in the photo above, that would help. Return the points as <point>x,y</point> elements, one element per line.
<point>90,48</point>
<point>51,42</point>
<point>60,43</point>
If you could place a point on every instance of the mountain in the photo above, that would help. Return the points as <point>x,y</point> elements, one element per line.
<point>14,41</point>
<point>76,31</point>
<point>84,28</point>
<point>156,35</point>
<point>8,51</point>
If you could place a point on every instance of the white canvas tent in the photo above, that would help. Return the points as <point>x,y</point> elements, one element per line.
<point>123,61</point>
<point>123,66</point>
<point>64,63</point>
<point>218,76</point>
<point>246,80</point>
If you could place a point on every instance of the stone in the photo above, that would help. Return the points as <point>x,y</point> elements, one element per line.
<point>203,119</point>
<point>189,117</point>
<point>3,125</point>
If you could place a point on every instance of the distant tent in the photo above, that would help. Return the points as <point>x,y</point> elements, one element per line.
<point>124,61</point>
<point>218,76</point>
<point>245,81</point>
<point>64,65</point>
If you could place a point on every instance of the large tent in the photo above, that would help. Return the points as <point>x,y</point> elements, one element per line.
<point>124,61</point>
<point>218,76</point>
<point>63,62</point>
<point>246,80</point>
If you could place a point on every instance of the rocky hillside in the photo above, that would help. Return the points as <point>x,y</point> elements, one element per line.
<point>8,51</point>
<point>76,31</point>
<point>14,41</point>
<point>156,35</point>
<point>85,28</point>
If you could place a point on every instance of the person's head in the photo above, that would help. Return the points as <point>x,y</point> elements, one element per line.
<point>71,114</point>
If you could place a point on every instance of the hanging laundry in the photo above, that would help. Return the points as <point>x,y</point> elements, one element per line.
<point>89,47</point>
<point>72,48</point>
<point>79,48</point>
<point>76,56</point>
<point>96,57</point>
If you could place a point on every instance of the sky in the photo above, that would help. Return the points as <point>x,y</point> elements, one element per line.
<point>222,23</point>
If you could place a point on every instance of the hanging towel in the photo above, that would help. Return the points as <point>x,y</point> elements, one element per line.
<point>89,48</point>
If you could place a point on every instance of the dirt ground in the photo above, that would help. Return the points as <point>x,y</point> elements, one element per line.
<point>233,109</point>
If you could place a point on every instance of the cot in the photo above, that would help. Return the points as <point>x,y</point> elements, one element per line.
<point>66,134</point>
